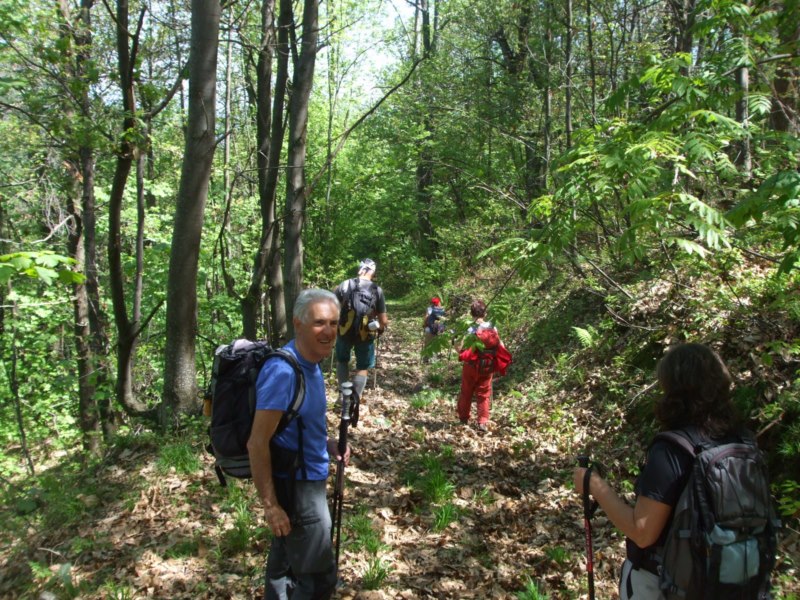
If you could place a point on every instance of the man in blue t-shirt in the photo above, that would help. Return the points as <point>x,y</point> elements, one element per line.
<point>295,504</point>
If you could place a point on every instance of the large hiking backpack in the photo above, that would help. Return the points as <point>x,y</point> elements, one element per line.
<point>722,539</point>
<point>232,393</point>
<point>358,306</point>
<point>486,357</point>
<point>433,320</point>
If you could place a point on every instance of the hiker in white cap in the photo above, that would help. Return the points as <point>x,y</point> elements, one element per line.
<point>362,319</point>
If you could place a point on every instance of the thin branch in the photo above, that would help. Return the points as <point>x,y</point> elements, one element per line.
<point>763,61</point>
<point>643,392</point>
<point>607,277</point>
<point>170,95</point>
<point>135,45</point>
<point>31,304</point>
<point>52,233</point>
<point>502,287</point>
<point>627,323</point>
<point>147,319</point>
<point>343,137</point>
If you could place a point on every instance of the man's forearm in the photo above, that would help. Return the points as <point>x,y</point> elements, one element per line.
<point>261,468</point>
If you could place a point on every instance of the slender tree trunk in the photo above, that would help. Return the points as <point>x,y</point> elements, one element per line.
<point>784,114</point>
<point>18,410</point>
<point>277,301</point>
<point>547,97</point>
<point>173,10</point>
<point>221,246</point>
<point>683,15</point>
<point>590,50</point>
<point>424,178</point>
<point>226,147</point>
<point>91,343</point>
<point>266,130</point>
<point>126,153</point>
<point>333,92</point>
<point>744,156</point>
<point>296,198</point>
<point>88,417</point>
<point>568,60</point>
<point>180,384</point>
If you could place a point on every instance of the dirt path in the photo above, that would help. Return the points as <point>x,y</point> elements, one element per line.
<point>515,517</point>
<point>453,513</point>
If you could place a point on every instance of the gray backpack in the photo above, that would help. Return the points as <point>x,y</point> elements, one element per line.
<point>722,539</point>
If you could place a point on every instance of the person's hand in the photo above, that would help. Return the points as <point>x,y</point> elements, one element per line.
<point>577,479</point>
<point>333,450</point>
<point>277,520</point>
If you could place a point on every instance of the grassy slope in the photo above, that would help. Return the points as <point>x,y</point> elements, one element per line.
<point>433,509</point>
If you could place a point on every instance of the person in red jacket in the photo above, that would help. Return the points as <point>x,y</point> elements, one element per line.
<point>479,367</point>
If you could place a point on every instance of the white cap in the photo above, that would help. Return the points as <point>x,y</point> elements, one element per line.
<point>366,265</point>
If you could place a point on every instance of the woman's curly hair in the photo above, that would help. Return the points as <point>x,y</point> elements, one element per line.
<point>697,391</point>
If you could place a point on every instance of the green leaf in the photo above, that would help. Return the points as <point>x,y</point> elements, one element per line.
<point>46,275</point>
<point>70,277</point>
<point>688,246</point>
<point>7,271</point>
<point>585,336</point>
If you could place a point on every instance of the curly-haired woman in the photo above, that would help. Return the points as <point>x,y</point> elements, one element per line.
<point>697,396</point>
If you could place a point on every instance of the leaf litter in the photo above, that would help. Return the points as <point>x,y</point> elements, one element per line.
<point>516,518</point>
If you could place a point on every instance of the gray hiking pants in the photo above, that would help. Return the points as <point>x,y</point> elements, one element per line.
<point>300,565</point>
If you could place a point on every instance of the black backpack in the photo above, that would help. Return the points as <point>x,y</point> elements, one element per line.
<point>432,320</point>
<point>722,539</point>
<point>232,393</point>
<point>357,307</point>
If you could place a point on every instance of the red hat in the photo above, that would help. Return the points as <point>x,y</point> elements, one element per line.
<point>435,301</point>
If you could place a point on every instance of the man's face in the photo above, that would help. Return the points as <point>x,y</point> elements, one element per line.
<point>316,337</point>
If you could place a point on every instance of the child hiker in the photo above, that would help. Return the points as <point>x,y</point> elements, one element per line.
<point>433,323</point>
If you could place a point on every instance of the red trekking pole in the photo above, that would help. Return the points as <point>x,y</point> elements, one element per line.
<point>589,508</point>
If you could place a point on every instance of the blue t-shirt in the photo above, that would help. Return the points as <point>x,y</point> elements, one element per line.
<point>275,388</point>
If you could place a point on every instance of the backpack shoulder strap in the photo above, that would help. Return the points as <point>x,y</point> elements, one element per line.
<point>680,438</point>
<point>300,391</point>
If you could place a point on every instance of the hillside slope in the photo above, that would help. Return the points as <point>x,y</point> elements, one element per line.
<point>433,509</point>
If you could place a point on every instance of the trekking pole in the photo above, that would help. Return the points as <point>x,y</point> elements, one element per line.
<point>375,370</point>
<point>589,508</point>
<point>346,390</point>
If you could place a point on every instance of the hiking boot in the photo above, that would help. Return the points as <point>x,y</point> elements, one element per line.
<point>483,427</point>
<point>463,421</point>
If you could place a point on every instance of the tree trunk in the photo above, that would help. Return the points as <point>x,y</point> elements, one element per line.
<point>568,61</point>
<point>279,333</point>
<point>267,128</point>
<point>126,329</point>
<point>590,50</point>
<point>87,410</point>
<point>296,157</point>
<point>424,177</point>
<point>683,14</point>
<point>180,384</point>
<point>547,99</point>
<point>786,83</point>
<point>91,342</point>
<point>744,156</point>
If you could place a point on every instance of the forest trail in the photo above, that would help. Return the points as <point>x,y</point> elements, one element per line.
<point>514,514</point>
<point>432,508</point>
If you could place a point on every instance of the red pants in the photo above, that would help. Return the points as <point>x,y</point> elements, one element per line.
<point>473,383</point>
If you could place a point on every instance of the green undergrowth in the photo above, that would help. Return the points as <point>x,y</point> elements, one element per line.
<point>586,349</point>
